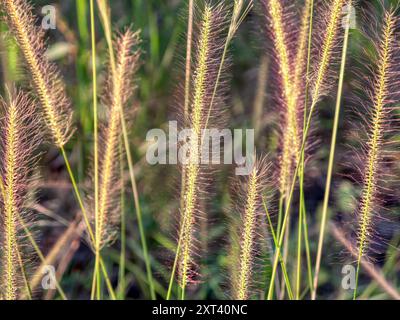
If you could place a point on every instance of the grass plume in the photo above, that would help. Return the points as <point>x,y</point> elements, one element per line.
<point>204,77</point>
<point>45,76</point>
<point>250,207</point>
<point>378,122</point>
<point>290,139</point>
<point>118,92</point>
<point>319,83</point>
<point>332,18</point>
<point>20,137</point>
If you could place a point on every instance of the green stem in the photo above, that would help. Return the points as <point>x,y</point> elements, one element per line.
<point>171,280</point>
<point>307,246</point>
<point>299,236</point>
<point>357,275</point>
<point>96,273</point>
<point>107,279</point>
<point>107,30</point>
<point>331,157</point>
<point>277,251</point>
<point>121,277</point>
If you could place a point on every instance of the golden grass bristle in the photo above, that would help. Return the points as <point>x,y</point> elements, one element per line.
<point>192,170</point>
<point>301,54</point>
<point>376,132</point>
<point>118,91</point>
<point>45,76</point>
<point>250,221</point>
<point>319,79</point>
<point>19,139</point>
<point>206,72</point>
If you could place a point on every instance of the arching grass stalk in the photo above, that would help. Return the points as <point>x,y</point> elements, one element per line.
<point>118,91</point>
<point>331,154</point>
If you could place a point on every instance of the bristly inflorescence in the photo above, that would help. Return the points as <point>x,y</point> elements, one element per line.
<point>46,78</point>
<point>20,136</point>
<point>118,90</point>
<point>207,61</point>
<point>249,197</point>
<point>376,155</point>
<point>325,47</point>
<point>281,23</point>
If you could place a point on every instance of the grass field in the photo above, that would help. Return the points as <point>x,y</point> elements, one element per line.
<point>85,215</point>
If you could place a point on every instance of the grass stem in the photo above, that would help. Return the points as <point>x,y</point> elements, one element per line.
<point>331,156</point>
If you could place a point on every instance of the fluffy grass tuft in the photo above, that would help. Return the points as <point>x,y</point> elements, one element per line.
<point>280,21</point>
<point>207,59</point>
<point>118,91</point>
<point>45,75</point>
<point>20,137</point>
<point>378,126</point>
<point>249,204</point>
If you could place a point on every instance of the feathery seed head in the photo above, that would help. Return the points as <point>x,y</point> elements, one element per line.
<point>46,78</point>
<point>279,25</point>
<point>20,136</point>
<point>332,18</point>
<point>207,59</point>
<point>118,91</point>
<point>379,122</point>
<point>249,204</point>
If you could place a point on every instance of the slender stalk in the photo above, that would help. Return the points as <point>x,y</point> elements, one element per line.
<point>122,259</point>
<point>96,153</point>
<point>307,23</point>
<point>171,280</point>
<point>299,238</point>
<point>107,280</point>
<point>302,210</point>
<point>307,247</point>
<point>282,262</point>
<point>331,156</point>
